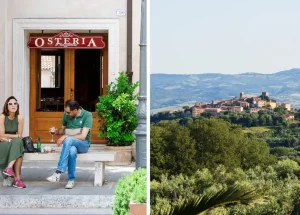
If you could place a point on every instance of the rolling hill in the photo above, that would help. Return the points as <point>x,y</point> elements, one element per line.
<point>171,90</point>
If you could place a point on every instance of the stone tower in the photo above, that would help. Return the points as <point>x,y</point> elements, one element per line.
<point>265,94</point>
<point>241,95</point>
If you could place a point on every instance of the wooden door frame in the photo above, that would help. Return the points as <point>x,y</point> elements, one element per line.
<point>69,73</point>
<point>69,67</point>
<point>33,85</point>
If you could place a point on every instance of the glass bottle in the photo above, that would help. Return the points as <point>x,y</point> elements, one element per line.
<point>38,145</point>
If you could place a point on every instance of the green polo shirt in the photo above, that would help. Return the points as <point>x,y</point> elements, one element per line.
<point>84,120</point>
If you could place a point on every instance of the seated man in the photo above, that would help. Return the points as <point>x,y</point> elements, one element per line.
<point>74,118</point>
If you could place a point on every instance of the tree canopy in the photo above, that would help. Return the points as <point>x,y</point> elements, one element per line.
<point>204,143</point>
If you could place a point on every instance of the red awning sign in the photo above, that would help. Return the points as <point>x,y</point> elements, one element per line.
<point>66,40</point>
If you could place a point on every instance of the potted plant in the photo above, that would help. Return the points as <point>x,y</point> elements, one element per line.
<point>137,204</point>
<point>131,194</point>
<point>117,115</point>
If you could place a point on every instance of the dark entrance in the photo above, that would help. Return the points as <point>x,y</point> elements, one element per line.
<point>87,77</point>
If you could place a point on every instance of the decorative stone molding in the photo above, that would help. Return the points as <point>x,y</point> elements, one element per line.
<point>21,65</point>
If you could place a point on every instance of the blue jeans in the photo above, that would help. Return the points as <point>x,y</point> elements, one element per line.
<point>68,155</point>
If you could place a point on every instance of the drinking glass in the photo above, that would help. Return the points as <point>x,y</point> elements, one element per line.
<point>52,131</point>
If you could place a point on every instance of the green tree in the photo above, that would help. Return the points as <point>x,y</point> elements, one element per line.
<point>287,167</point>
<point>216,142</point>
<point>219,142</point>
<point>280,110</point>
<point>282,151</point>
<point>172,149</point>
<point>282,193</point>
<point>297,114</point>
<point>254,152</point>
<point>157,151</point>
<point>206,115</point>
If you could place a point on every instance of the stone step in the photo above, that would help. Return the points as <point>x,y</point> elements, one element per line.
<point>40,193</point>
<point>65,211</point>
<point>55,196</point>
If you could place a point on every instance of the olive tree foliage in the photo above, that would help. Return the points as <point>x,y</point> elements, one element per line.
<point>203,143</point>
<point>217,156</point>
<point>280,192</point>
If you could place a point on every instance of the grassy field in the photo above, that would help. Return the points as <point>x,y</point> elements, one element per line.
<point>257,130</point>
<point>175,107</point>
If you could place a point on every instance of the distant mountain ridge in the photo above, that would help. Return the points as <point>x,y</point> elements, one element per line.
<point>170,89</point>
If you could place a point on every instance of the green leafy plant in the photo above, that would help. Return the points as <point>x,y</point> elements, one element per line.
<point>224,197</point>
<point>131,187</point>
<point>139,194</point>
<point>117,112</point>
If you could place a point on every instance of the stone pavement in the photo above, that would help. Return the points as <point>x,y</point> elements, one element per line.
<point>49,211</point>
<point>43,197</point>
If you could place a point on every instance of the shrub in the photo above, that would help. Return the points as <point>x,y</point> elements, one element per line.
<point>287,167</point>
<point>117,112</point>
<point>130,187</point>
<point>139,193</point>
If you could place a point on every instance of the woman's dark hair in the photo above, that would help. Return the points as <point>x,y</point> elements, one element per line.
<point>5,106</point>
<point>72,104</point>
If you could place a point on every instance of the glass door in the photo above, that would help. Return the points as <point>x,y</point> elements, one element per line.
<point>51,81</point>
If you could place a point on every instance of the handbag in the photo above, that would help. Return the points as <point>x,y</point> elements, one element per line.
<point>28,145</point>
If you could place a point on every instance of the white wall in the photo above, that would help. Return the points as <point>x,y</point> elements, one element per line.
<point>3,55</point>
<point>136,24</point>
<point>79,9</point>
<point>46,81</point>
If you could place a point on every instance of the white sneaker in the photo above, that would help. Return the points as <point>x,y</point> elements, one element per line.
<point>54,178</point>
<point>70,185</point>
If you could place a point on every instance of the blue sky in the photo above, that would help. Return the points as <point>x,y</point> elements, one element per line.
<point>224,36</point>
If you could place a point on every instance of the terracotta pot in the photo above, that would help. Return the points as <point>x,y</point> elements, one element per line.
<point>133,151</point>
<point>137,208</point>
<point>123,156</point>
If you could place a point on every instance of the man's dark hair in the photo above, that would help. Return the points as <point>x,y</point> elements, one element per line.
<point>72,104</point>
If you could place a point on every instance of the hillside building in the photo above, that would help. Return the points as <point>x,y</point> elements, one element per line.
<point>197,110</point>
<point>271,104</point>
<point>286,105</point>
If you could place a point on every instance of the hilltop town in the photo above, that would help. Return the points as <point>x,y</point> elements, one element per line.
<point>244,103</point>
<point>241,104</point>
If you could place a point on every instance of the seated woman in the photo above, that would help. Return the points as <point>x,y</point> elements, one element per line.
<point>11,145</point>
